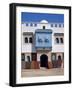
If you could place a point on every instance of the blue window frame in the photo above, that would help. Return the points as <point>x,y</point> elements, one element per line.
<point>43,39</point>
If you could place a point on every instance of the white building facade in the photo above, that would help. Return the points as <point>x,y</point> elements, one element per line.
<point>42,42</point>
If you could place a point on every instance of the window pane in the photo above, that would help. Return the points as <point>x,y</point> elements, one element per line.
<point>51,25</point>
<point>30,40</point>
<point>63,25</point>
<point>26,40</point>
<point>55,25</point>
<point>26,24</point>
<point>57,40</point>
<point>35,25</point>
<point>61,40</point>
<point>31,24</point>
<point>59,25</point>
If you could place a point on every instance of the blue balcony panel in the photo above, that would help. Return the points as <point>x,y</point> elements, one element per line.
<point>43,39</point>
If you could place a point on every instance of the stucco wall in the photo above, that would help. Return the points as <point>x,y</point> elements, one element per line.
<point>31,48</point>
<point>39,53</point>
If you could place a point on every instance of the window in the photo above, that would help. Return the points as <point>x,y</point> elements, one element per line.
<point>55,25</point>
<point>39,40</point>
<point>53,56</point>
<point>61,40</point>
<point>34,56</point>
<point>26,40</point>
<point>28,58</point>
<point>59,25</point>
<point>63,25</point>
<point>35,24</point>
<point>57,40</point>
<point>30,40</point>
<point>46,40</point>
<point>23,57</point>
<point>31,24</point>
<point>63,56</point>
<point>51,25</point>
<point>26,24</point>
<point>43,27</point>
<point>59,57</point>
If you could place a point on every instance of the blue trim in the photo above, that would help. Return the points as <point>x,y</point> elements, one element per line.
<point>44,44</point>
<point>44,32</point>
<point>42,47</point>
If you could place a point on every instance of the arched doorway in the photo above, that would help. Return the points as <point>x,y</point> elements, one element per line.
<point>59,57</point>
<point>44,61</point>
<point>59,61</point>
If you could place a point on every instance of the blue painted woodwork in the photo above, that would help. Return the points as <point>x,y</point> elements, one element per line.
<point>43,38</point>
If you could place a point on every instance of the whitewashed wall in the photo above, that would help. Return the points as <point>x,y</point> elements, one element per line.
<point>31,48</point>
<point>41,53</point>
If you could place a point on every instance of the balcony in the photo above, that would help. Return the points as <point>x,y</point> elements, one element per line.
<point>43,39</point>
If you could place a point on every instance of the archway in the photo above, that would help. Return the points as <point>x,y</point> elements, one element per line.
<point>44,61</point>
<point>59,62</point>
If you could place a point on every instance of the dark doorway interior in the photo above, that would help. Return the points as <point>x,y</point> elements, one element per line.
<point>59,62</point>
<point>44,61</point>
<point>43,27</point>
